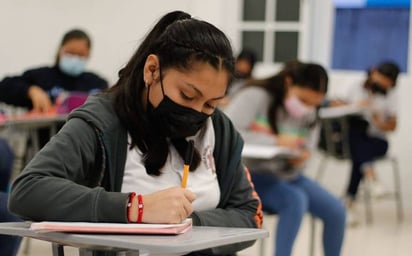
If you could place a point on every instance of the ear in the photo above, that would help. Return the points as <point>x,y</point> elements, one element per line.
<point>151,69</point>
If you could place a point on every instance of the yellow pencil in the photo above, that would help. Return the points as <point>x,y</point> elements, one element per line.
<point>188,160</point>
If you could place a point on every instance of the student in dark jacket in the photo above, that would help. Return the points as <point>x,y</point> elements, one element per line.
<point>125,147</point>
<point>38,88</point>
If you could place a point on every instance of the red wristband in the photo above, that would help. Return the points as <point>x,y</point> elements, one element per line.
<point>140,207</point>
<point>129,205</point>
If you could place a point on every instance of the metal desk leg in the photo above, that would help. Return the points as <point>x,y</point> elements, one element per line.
<point>34,140</point>
<point>85,252</point>
<point>312,236</point>
<point>57,249</point>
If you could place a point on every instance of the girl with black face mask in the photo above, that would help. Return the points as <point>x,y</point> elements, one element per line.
<point>369,142</point>
<point>120,157</point>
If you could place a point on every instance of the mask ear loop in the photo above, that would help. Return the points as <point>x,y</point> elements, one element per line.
<point>161,80</point>
<point>148,91</point>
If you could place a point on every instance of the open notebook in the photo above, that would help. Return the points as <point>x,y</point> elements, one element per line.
<point>123,228</point>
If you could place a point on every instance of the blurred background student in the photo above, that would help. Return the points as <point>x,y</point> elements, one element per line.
<point>244,64</point>
<point>281,110</point>
<point>368,132</point>
<point>38,88</point>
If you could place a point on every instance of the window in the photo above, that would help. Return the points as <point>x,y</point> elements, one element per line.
<point>369,32</point>
<point>273,29</point>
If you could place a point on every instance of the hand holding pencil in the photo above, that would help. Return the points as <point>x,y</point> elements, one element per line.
<point>188,161</point>
<point>174,204</point>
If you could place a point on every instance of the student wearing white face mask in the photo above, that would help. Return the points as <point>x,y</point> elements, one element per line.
<point>38,88</point>
<point>281,110</point>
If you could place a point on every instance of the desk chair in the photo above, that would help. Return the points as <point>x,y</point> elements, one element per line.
<point>335,145</point>
<point>396,194</point>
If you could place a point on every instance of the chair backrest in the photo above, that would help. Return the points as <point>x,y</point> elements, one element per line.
<point>334,139</point>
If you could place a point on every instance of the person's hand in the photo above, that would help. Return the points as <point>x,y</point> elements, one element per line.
<point>378,120</point>
<point>303,157</point>
<point>337,103</point>
<point>289,141</point>
<point>40,100</point>
<point>171,205</point>
<point>365,103</point>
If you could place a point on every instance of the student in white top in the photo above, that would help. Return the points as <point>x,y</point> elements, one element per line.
<point>368,132</point>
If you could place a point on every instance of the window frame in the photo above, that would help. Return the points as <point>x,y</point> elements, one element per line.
<point>269,27</point>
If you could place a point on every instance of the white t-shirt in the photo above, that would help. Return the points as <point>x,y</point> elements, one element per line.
<point>203,181</point>
<point>384,105</point>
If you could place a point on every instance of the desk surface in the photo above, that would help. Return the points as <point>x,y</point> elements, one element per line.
<point>256,151</point>
<point>340,111</point>
<point>198,238</point>
<point>29,121</point>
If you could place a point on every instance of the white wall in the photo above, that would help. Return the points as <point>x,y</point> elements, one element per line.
<point>32,30</point>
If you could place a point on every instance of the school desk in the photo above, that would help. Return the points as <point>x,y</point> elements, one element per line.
<point>198,238</point>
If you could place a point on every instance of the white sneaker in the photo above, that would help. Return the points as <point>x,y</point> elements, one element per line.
<point>352,215</point>
<point>375,188</point>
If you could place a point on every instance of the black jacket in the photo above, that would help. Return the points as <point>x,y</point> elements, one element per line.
<point>14,90</point>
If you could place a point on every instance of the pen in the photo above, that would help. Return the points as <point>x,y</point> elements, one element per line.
<point>188,160</point>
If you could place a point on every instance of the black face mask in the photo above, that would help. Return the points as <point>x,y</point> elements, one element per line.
<point>173,120</point>
<point>377,89</point>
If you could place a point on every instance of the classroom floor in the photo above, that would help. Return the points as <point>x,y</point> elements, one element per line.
<point>381,238</point>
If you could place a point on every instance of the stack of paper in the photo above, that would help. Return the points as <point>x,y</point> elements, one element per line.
<point>128,228</point>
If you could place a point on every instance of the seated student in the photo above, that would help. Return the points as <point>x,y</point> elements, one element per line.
<point>9,245</point>
<point>38,88</point>
<point>368,134</point>
<point>281,110</point>
<point>133,138</point>
<point>244,64</point>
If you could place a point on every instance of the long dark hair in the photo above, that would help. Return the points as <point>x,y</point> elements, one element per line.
<point>178,41</point>
<point>306,75</point>
<point>70,35</point>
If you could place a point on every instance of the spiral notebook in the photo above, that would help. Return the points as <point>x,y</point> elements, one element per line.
<point>121,228</point>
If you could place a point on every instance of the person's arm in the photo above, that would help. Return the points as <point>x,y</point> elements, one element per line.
<point>56,185</point>
<point>14,91</point>
<point>25,91</point>
<point>385,124</point>
<point>40,100</point>
<point>243,109</point>
<point>306,149</point>
<point>386,119</point>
